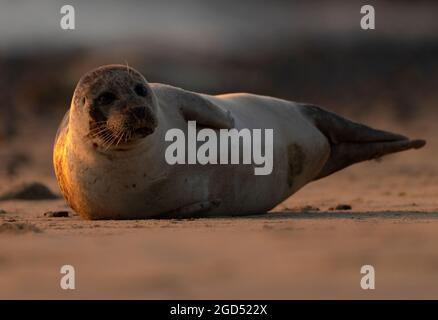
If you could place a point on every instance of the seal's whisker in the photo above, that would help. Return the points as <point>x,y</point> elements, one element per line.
<point>109,137</point>
<point>128,136</point>
<point>97,132</point>
<point>106,136</point>
<point>98,125</point>
<point>128,69</point>
<point>104,143</point>
<point>120,138</point>
<point>97,128</point>
<point>106,139</point>
<point>107,144</point>
<point>100,135</point>
<point>111,143</point>
<point>104,130</point>
<point>94,129</point>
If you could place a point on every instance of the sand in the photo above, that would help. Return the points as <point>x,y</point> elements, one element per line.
<point>386,78</point>
<point>300,250</point>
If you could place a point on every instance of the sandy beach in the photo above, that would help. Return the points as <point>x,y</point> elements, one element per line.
<point>303,249</point>
<point>312,246</point>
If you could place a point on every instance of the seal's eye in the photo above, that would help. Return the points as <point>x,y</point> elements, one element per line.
<point>106,98</point>
<point>141,90</point>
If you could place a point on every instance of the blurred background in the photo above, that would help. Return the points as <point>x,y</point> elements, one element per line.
<point>312,51</point>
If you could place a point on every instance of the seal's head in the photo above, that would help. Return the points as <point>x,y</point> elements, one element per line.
<point>115,106</point>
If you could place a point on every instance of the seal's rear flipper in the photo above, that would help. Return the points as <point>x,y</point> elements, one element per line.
<point>352,142</point>
<point>345,154</point>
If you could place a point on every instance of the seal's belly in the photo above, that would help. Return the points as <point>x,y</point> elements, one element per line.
<point>233,188</point>
<point>299,152</point>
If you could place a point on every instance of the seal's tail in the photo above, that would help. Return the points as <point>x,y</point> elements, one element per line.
<point>352,142</point>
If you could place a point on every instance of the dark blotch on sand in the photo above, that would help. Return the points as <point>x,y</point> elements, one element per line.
<point>57,214</point>
<point>29,191</point>
<point>308,208</point>
<point>18,228</point>
<point>341,207</point>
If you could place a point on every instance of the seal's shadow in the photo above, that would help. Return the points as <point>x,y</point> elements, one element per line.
<point>323,215</point>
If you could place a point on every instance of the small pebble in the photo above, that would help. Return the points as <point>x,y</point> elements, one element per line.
<point>2,211</point>
<point>56,214</point>
<point>309,208</point>
<point>341,207</point>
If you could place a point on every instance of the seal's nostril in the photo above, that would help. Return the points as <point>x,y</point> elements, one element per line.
<point>139,112</point>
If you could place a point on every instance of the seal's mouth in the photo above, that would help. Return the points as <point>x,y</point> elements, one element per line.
<point>143,131</point>
<point>122,129</point>
<point>123,138</point>
<point>130,136</point>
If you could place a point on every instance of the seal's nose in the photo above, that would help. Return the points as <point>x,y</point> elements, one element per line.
<point>139,112</point>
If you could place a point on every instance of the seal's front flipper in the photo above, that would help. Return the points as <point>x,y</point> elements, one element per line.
<point>197,107</point>
<point>352,142</point>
